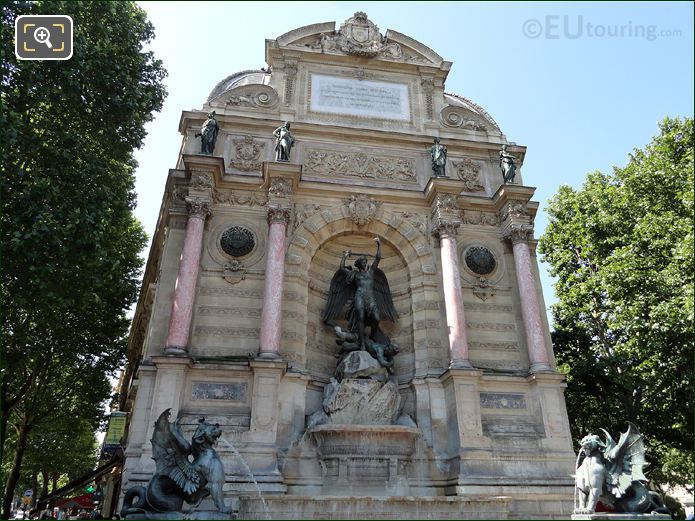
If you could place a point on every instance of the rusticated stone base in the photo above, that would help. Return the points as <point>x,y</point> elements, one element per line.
<point>608,516</point>
<point>404,507</point>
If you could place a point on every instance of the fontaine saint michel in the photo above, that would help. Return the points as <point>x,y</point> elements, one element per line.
<point>343,292</point>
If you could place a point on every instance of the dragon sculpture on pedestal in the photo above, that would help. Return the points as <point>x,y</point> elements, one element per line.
<point>176,478</point>
<point>612,473</point>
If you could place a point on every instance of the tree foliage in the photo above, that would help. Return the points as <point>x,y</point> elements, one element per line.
<point>621,248</point>
<point>70,244</point>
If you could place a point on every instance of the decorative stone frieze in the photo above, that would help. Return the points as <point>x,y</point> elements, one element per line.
<point>228,197</point>
<point>327,163</point>
<point>201,179</point>
<point>280,187</point>
<point>290,69</point>
<point>480,218</point>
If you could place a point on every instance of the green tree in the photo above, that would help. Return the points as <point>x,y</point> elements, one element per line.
<point>70,243</point>
<point>621,248</point>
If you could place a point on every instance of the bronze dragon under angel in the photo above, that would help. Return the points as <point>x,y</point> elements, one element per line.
<point>176,478</point>
<point>612,473</point>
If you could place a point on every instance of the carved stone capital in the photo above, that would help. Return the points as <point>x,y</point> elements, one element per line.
<point>444,228</point>
<point>518,233</point>
<point>199,208</point>
<point>279,214</point>
<point>446,215</point>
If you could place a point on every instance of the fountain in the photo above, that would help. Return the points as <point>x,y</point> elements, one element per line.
<point>247,469</point>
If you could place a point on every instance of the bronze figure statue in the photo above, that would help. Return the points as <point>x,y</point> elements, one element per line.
<point>176,478</point>
<point>283,142</point>
<point>508,165</point>
<point>612,473</point>
<point>368,290</point>
<point>438,156</point>
<point>208,134</point>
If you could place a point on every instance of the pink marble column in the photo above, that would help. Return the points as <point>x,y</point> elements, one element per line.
<point>271,314</point>
<point>530,307</point>
<point>453,298</point>
<point>186,280</point>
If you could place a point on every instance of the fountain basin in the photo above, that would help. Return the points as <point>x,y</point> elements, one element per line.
<point>365,460</point>
<point>367,441</point>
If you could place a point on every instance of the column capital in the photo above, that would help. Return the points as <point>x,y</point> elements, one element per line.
<point>445,228</point>
<point>446,214</point>
<point>518,233</point>
<point>279,214</point>
<point>198,207</point>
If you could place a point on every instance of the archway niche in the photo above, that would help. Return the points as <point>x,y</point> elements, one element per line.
<point>321,348</point>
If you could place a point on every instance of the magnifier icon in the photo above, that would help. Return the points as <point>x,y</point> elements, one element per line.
<point>43,35</point>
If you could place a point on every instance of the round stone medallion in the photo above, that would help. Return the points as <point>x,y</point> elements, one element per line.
<point>237,241</point>
<point>480,260</point>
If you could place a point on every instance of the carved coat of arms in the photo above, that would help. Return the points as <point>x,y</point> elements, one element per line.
<point>248,153</point>
<point>361,208</point>
<point>360,36</point>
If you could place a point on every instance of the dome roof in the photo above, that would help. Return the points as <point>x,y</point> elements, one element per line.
<point>248,77</point>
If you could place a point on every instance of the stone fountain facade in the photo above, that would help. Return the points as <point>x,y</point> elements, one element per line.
<point>472,423</point>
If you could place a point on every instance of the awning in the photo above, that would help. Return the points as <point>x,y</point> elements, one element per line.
<point>84,501</point>
<point>117,459</point>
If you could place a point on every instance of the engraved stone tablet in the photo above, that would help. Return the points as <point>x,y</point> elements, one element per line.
<point>366,98</point>
<point>233,391</point>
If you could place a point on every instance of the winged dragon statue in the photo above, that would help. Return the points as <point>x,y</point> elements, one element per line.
<point>612,473</point>
<point>367,290</point>
<point>177,478</point>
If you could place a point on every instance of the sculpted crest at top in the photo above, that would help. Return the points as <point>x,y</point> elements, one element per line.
<point>353,76</point>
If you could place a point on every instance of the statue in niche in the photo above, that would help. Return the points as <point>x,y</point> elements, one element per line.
<point>283,142</point>
<point>368,290</point>
<point>508,165</point>
<point>176,478</point>
<point>208,134</point>
<point>438,156</point>
<point>612,473</point>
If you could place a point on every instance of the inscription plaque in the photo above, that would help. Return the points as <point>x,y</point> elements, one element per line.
<point>234,391</point>
<point>502,401</point>
<point>374,99</point>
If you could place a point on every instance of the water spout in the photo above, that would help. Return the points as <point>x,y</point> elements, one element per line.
<point>247,469</point>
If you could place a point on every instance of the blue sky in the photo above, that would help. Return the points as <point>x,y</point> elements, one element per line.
<point>579,84</point>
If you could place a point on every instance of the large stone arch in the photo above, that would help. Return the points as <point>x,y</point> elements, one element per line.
<point>412,247</point>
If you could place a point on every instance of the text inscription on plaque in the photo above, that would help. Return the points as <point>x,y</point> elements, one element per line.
<point>374,99</point>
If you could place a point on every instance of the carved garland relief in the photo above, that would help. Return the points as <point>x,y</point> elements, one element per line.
<point>346,164</point>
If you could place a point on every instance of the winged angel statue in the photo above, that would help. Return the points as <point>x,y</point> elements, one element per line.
<point>367,290</point>
<point>176,478</point>
<point>612,473</point>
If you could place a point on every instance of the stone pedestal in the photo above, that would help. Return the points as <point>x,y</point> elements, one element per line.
<point>609,516</point>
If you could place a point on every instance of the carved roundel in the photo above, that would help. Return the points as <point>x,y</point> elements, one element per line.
<point>237,241</point>
<point>480,260</point>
